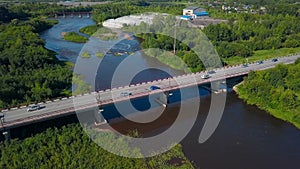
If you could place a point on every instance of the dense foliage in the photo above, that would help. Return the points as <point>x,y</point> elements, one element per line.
<point>29,72</point>
<point>115,10</point>
<point>276,90</point>
<point>70,147</point>
<point>254,32</point>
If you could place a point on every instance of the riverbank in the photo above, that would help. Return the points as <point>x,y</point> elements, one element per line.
<point>68,146</point>
<point>261,90</point>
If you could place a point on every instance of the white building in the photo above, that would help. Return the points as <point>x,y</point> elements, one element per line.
<point>191,10</point>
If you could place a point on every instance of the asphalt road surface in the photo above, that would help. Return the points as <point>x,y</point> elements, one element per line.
<point>66,105</point>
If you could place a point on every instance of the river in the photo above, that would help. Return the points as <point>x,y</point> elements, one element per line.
<point>246,137</point>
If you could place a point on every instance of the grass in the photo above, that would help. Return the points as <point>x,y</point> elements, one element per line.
<point>75,37</point>
<point>89,30</point>
<point>85,55</point>
<point>106,34</point>
<point>261,55</point>
<point>173,158</point>
<point>80,86</point>
<point>117,54</point>
<point>70,65</point>
<point>99,54</point>
<point>108,37</point>
<point>167,58</point>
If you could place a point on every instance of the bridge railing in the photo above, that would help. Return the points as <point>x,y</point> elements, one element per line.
<point>98,92</point>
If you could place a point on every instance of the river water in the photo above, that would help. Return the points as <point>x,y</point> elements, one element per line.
<point>246,137</point>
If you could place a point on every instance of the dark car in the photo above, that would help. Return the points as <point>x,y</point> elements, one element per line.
<point>154,87</point>
<point>274,60</point>
<point>260,62</point>
<point>211,72</point>
<point>244,65</point>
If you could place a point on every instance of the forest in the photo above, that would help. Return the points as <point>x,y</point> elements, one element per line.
<point>70,147</point>
<point>275,90</point>
<point>26,83</point>
<point>249,33</point>
<point>29,72</point>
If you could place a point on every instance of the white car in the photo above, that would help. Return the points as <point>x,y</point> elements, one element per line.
<point>33,108</point>
<point>125,94</point>
<point>206,76</point>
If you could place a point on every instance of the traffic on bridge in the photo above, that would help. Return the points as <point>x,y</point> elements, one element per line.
<point>61,107</point>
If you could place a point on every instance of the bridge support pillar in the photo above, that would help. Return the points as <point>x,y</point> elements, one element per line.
<point>163,98</point>
<point>218,87</point>
<point>99,119</point>
<point>6,134</point>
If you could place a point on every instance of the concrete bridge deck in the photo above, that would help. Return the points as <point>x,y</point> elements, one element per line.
<point>16,117</point>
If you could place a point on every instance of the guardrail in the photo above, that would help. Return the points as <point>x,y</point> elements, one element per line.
<point>136,95</point>
<point>134,85</point>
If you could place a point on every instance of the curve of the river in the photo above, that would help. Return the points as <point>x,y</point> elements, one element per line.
<point>246,138</point>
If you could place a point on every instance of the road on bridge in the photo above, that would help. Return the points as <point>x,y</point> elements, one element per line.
<point>17,116</point>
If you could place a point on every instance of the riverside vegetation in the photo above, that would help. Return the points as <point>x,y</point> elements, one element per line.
<point>75,37</point>
<point>70,147</point>
<point>275,90</point>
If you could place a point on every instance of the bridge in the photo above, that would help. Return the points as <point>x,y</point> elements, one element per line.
<point>16,117</point>
<point>71,14</point>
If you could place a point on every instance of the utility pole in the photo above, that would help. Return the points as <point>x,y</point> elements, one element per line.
<point>175,34</point>
<point>5,133</point>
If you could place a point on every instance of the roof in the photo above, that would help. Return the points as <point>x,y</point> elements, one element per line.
<point>201,13</point>
<point>204,12</point>
<point>185,16</point>
<point>192,8</point>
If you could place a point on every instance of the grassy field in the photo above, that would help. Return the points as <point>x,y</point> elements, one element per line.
<point>100,55</point>
<point>85,55</point>
<point>75,37</point>
<point>261,55</point>
<point>89,30</point>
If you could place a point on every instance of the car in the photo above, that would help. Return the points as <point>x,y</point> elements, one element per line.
<point>211,72</point>
<point>125,94</point>
<point>260,62</point>
<point>206,76</point>
<point>154,88</point>
<point>33,108</point>
<point>274,60</point>
<point>244,65</point>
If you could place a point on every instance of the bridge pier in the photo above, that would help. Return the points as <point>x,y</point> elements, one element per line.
<point>99,119</point>
<point>163,98</point>
<point>216,87</point>
<point>6,134</point>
